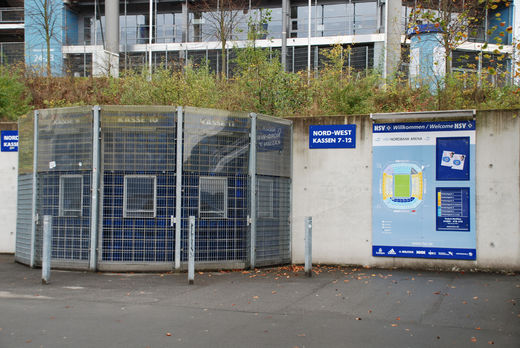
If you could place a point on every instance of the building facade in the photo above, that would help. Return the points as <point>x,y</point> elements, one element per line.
<point>11,31</point>
<point>151,33</point>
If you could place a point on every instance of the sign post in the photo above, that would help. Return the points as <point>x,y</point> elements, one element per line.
<point>308,246</point>
<point>46,249</point>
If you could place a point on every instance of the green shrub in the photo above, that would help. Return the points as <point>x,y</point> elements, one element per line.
<point>14,96</point>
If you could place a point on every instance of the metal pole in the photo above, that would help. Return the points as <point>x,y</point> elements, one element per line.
<point>95,23</point>
<point>284,34</point>
<point>35,190</point>
<point>191,255</point>
<point>178,189</point>
<point>150,28</point>
<point>94,210</point>
<point>308,246</point>
<point>309,43</point>
<point>252,190</point>
<point>46,249</point>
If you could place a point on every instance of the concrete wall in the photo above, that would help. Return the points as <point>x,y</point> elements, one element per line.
<point>8,192</point>
<point>334,186</point>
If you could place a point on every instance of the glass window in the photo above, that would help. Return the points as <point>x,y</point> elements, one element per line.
<point>140,196</point>
<point>212,197</point>
<point>265,198</point>
<point>71,195</point>
<point>365,18</point>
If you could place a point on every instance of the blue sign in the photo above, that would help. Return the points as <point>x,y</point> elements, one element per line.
<point>269,137</point>
<point>423,190</point>
<point>423,127</point>
<point>9,141</point>
<point>341,136</point>
<point>427,253</point>
<point>453,209</point>
<point>453,158</point>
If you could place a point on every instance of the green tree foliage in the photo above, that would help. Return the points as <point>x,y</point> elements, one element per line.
<point>14,97</point>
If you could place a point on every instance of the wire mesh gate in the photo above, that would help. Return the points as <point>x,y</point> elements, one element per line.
<point>121,181</point>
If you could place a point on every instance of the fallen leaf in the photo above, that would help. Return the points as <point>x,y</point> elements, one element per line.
<point>255,297</point>
<point>437,292</point>
<point>168,334</point>
<point>477,328</point>
<point>301,335</point>
<point>28,341</point>
<point>473,339</point>
<point>357,318</point>
<point>394,325</point>
<point>475,298</point>
<point>464,302</point>
<point>273,292</point>
<point>491,342</point>
<point>398,318</point>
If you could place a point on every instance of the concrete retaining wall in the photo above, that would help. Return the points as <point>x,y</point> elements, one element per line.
<point>334,186</point>
<point>8,192</point>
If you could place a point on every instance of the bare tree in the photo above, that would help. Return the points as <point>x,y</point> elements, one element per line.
<point>44,17</point>
<point>222,20</point>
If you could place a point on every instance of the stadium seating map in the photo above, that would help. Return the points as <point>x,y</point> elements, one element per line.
<point>423,190</point>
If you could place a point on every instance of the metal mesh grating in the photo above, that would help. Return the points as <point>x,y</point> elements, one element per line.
<point>64,176</point>
<point>138,184</point>
<point>215,183</point>
<point>25,187</point>
<point>138,149</point>
<point>26,144</point>
<point>65,139</point>
<point>273,220</point>
<point>273,190</point>
<point>24,218</point>
<point>70,218</point>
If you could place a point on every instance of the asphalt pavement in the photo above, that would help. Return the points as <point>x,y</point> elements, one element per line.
<point>267,307</point>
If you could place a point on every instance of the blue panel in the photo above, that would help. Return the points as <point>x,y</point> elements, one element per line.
<point>436,218</point>
<point>447,126</point>
<point>9,141</point>
<point>424,252</point>
<point>35,44</point>
<point>71,27</point>
<point>341,136</point>
<point>453,211</point>
<point>453,158</point>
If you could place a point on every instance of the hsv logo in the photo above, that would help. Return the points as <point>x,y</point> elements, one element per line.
<point>379,128</point>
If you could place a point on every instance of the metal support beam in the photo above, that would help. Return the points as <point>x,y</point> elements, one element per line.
<point>252,191</point>
<point>112,37</point>
<point>35,191</point>
<point>309,41</point>
<point>178,189</point>
<point>285,26</point>
<point>94,203</point>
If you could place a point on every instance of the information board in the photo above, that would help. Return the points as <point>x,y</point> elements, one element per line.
<point>340,136</point>
<point>423,190</point>
<point>9,141</point>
